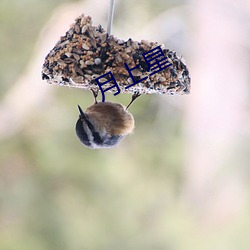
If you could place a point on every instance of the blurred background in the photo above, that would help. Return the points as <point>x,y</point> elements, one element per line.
<point>180,182</point>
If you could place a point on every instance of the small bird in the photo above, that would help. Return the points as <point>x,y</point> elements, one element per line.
<point>104,124</point>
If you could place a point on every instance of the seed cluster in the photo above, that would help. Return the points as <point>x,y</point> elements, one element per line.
<point>87,52</point>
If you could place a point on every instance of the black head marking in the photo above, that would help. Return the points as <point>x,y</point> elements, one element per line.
<point>81,133</point>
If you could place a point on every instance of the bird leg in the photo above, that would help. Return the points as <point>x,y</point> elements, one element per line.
<point>134,97</point>
<point>95,94</point>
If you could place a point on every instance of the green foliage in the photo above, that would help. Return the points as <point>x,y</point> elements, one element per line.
<point>20,24</point>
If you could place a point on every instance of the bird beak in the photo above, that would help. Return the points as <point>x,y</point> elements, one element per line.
<point>82,115</point>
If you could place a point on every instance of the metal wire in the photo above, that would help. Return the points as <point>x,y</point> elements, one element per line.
<point>110,15</point>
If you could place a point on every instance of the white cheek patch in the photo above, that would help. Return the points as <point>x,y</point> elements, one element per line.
<point>89,133</point>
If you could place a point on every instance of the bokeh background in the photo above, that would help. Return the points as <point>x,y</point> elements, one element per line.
<point>180,182</point>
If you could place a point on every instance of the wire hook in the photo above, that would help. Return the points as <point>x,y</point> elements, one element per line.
<point>110,16</point>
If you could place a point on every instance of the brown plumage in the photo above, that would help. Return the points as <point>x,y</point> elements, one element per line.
<point>110,117</point>
<point>104,124</point>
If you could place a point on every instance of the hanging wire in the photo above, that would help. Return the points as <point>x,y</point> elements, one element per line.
<point>110,15</point>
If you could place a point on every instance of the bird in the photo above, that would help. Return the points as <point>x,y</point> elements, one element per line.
<point>104,124</point>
